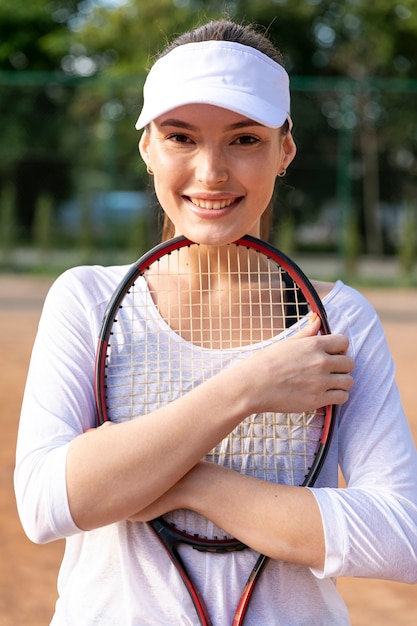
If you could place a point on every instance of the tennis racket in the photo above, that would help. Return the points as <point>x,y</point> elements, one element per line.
<point>182,313</point>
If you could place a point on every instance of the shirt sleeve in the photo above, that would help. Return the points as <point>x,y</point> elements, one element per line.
<point>58,406</point>
<point>370,526</point>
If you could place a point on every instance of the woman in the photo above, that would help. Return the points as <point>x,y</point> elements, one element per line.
<point>217,133</point>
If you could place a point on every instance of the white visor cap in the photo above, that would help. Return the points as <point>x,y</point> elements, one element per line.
<point>222,73</point>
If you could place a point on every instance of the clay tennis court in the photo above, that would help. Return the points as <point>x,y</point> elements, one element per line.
<point>28,572</point>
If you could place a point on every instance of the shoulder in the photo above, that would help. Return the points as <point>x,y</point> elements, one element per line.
<point>87,285</point>
<point>323,288</point>
<point>351,314</point>
<point>348,310</point>
<point>77,300</point>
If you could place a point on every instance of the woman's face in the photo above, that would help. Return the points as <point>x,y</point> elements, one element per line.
<point>214,170</point>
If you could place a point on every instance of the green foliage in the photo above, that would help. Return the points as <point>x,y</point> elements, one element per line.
<point>133,33</point>
<point>43,226</point>
<point>342,37</point>
<point>7,225</point>
<point>59,129</point>
<point>24,28</point>
<point>407,251</point>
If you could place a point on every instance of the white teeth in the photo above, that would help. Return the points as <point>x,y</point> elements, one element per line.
<point>211,204</point>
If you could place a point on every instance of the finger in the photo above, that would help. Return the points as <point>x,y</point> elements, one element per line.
<point>335,344</point>
<point>310,329</point>
<point>343,382</point>
<point>337,396</point>
<point>342,364</point>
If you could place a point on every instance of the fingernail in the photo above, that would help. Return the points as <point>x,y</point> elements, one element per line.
<point>313,318</point>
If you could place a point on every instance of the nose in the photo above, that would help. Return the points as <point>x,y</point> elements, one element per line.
<point>211,166</point>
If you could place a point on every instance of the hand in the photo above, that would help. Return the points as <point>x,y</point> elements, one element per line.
<point>300,374</point>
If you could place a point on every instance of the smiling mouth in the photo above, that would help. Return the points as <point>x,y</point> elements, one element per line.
<point>212,205</point>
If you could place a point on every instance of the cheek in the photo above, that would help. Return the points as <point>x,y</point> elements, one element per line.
<point>168,170</point>
<point>260,181</point>
<point>163,189</point>
<point>261,169</point>
<point>163,174</point>
<point>167,183</point>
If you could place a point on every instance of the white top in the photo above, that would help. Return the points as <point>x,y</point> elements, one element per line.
<point>120,574</point>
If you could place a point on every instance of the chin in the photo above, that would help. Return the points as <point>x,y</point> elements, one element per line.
<point>215,235</point>
<point>214,239</point>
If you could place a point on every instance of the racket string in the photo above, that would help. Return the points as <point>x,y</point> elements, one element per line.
<point>271,446</point>
<point>176,329</point>
<point>264,448</point>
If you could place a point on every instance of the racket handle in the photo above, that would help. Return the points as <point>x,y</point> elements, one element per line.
<point>248,590</point>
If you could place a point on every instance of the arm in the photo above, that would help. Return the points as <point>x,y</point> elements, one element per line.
<point>136,448</point>
<point>62,482</point>
<point>370,527</point>
<point>279,521</point>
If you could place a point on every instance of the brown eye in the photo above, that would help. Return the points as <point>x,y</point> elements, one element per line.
<point>247,139</point>
<point>179,138</point>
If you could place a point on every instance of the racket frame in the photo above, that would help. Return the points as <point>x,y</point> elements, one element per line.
<point>169,536</point>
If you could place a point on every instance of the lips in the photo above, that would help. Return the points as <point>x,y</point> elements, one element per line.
<point>212,205</point>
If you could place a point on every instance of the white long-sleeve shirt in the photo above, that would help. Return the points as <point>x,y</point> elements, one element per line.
<point>120,575</point>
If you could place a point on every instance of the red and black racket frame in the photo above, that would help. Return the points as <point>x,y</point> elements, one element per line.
<point>169,536</point>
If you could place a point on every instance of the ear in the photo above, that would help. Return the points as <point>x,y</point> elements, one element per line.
<point>144,147</point>
<point>289,150</point>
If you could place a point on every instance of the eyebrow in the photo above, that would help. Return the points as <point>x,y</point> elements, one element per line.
<point>246,123</point>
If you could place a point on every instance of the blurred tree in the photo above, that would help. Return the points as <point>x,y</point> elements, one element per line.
<point>362,41</point>
<point>117,44</point>
<point>31,118</point>
<point>101,48</point>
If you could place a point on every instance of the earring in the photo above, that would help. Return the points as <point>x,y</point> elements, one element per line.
<point>149,170</point>
<point>283,173</point>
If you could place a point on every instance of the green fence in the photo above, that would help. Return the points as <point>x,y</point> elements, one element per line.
<point>70,173</point>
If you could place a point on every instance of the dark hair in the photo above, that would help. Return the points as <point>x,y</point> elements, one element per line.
<point>225,30</point>
<point>247,35</point>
